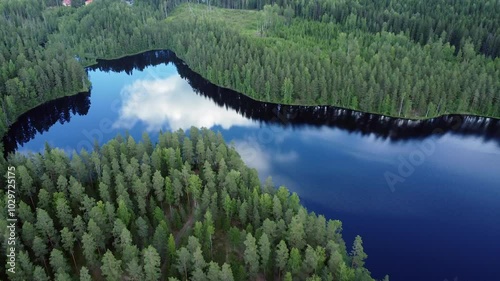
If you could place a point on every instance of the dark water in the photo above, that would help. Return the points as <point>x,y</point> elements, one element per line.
<point>424,195</point>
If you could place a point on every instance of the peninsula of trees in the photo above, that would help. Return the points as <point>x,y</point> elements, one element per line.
<point>184,208</point>
<point>403,58</point>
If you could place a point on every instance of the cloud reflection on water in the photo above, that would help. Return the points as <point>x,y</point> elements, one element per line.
<point>170,103</point>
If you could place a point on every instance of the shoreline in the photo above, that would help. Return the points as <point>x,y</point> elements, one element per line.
<point>95,62</point>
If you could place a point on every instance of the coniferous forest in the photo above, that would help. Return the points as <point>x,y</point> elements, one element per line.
<point>406,58</point>
<point>185,208</point>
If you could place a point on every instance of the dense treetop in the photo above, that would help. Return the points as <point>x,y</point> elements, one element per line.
<point>183,208</point>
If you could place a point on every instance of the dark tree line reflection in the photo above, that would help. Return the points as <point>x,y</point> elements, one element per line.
<point>137,62</point>
<point>43,117</point>
<point>345,119</point>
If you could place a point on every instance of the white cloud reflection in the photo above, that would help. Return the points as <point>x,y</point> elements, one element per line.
<point>263,157</point>
<point>254,155</point>
<point>171,103</point>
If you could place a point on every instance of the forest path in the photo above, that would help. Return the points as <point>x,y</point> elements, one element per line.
<point>182,231</point>
<point>177,237</point>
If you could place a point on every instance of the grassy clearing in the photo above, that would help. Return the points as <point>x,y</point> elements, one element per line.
<point>246,22</point>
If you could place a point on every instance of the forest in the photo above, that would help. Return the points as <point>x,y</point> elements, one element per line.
<point>413,59</point>
<point>187,207</point>
<point>309,63</point>
<point>184,208</point>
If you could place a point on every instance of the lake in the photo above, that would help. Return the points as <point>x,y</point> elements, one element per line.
<point>424,195</point>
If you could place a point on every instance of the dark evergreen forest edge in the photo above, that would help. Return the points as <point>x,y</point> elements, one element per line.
<point>186,207</point>
<point>41,118</point>
<point>412,59</point>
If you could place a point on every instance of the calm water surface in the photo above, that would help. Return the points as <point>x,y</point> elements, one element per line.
<point>424,195</point>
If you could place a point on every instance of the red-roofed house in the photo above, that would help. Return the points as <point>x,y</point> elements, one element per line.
<point>88,2</point>
<point>66,3</point>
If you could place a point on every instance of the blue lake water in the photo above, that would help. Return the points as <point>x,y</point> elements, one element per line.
<point>424,195</point>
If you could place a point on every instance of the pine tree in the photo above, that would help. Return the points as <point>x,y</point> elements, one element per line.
<point>89,247</point>
<point>159,186</point>
<point>296,233</point>
<point>183,261</point>
<point>358,255</point>
<point>310,260</point>
<point>151,261</point>
<point>68,242</point>
<point>264,251</point>
<point>250,255</point>
<point>45,227</point>
<point>281,256</point>
<point>84,274</point>
<point>134,270</point>
<point>226,273</point>
<point>213,273</point>
<point>209,229</point>
<point>295,261</point>
<point>111,267</point>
